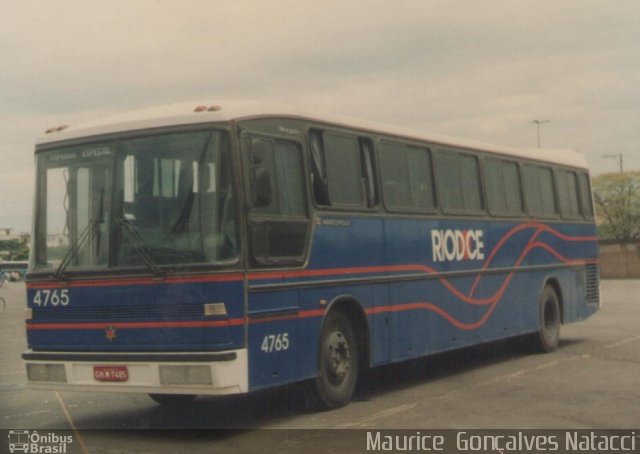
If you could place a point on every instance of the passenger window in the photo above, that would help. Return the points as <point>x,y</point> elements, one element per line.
<point>458,182</point>
<point>407,183</point>
<point>568,194</point>
<point>342,170</point>
<point>586,202</point>
<point>539,191</point>
<point>504,193</point>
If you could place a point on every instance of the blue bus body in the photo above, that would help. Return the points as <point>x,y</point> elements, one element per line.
<point>414,284</point>
<point>413,306</point>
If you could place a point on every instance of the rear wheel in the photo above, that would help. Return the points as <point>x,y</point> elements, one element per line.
<point>172,399</point>
<point>548,336</point>
<point>337,363</point>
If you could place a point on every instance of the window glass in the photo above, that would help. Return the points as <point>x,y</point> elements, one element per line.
<point>406,177</point>
<point>278,218</point>
<point>161,199</point>
<point>470,180</point>
<point>282,164</point>
<point>344,170</point>
<point>449,185</point>
<point>568,194</point>
<point>458,177</point>
<point>177,200</point>
<point>539,190</point>
<point>73,207</point>
<point>585,195</point>
<point>368,172</point>
<point>513,188</point>
<point>318,170</point>
<point>502,180</point>
<point>290,176</point>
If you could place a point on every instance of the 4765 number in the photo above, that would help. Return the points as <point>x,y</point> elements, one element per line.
<point>275,342</point>
<point>54,298</point>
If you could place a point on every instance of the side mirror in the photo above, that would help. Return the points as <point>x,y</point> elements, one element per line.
<point>261,196</point>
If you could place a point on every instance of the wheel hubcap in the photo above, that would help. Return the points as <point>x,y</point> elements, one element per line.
<point>550,318</point>
<point>337,357</point>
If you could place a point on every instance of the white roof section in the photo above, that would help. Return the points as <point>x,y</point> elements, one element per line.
<point>224,111</point>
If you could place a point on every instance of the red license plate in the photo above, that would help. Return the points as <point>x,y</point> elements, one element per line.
<point>110,373</point>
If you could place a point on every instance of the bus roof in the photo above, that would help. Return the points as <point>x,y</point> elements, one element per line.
<point>206,112</point>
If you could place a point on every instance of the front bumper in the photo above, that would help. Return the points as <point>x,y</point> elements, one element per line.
<point>161,373</point>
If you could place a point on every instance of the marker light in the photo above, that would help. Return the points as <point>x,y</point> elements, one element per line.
<point>185,375</point>
<point>215,309</point>
<point>202,108</point>
<point>56,129</point>
<point>46,372</point>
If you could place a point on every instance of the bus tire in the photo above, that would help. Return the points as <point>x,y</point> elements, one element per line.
<point>548,336</point>
<point>338,362</point>
<point>172,399</point>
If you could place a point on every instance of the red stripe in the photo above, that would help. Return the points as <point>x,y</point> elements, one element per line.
<point>540,227</point>
<point>438,310</point>
<point>184,324</point>
<point>137,325</point>
<point>235,277</point>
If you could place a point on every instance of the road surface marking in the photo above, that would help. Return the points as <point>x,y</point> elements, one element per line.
<point>73,426</point>
<point>380,415</point>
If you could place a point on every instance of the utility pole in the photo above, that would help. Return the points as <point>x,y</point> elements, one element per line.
<point>617,156</point>
<point>538,123</point>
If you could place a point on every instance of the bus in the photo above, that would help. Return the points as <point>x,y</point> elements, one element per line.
<point>220,249</point>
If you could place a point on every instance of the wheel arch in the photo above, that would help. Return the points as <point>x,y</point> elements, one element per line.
<point>353,309</point>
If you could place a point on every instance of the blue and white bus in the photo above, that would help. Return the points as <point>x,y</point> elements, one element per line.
<point>220,249</point>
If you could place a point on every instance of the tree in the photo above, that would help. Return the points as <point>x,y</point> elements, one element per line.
<point>14,250</point>
<point>617,199</point>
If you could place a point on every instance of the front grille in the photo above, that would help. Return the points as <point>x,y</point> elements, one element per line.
<point>592,283</point>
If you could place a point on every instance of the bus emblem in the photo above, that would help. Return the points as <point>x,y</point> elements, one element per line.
<point>110,333</point>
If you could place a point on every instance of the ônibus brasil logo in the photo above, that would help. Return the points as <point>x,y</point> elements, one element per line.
<point>457,245</point>
<point>32,442</point>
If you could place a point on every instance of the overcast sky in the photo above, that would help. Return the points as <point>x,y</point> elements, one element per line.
<point>480,70</point>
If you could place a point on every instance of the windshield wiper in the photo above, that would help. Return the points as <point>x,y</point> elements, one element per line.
<point>140,246</point>
<point>89,232</point>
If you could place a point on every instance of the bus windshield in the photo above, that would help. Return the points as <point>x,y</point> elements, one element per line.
<point>163,199</point>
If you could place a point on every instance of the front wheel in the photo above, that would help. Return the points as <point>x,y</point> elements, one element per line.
<point>337,363</point>
<point>548,336</point>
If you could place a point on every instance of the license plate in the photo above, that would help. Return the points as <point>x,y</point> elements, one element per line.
<point>110,373</point>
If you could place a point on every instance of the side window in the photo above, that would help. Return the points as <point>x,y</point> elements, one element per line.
<point>586,202</point>
<point>277,178</point>
<point>458,182</point>
<point>568,194</point>
<point>504,193</point>
<point>342,170</point>
<point>407,183</point>
<point>539,191</point>
<point>278,220</point>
